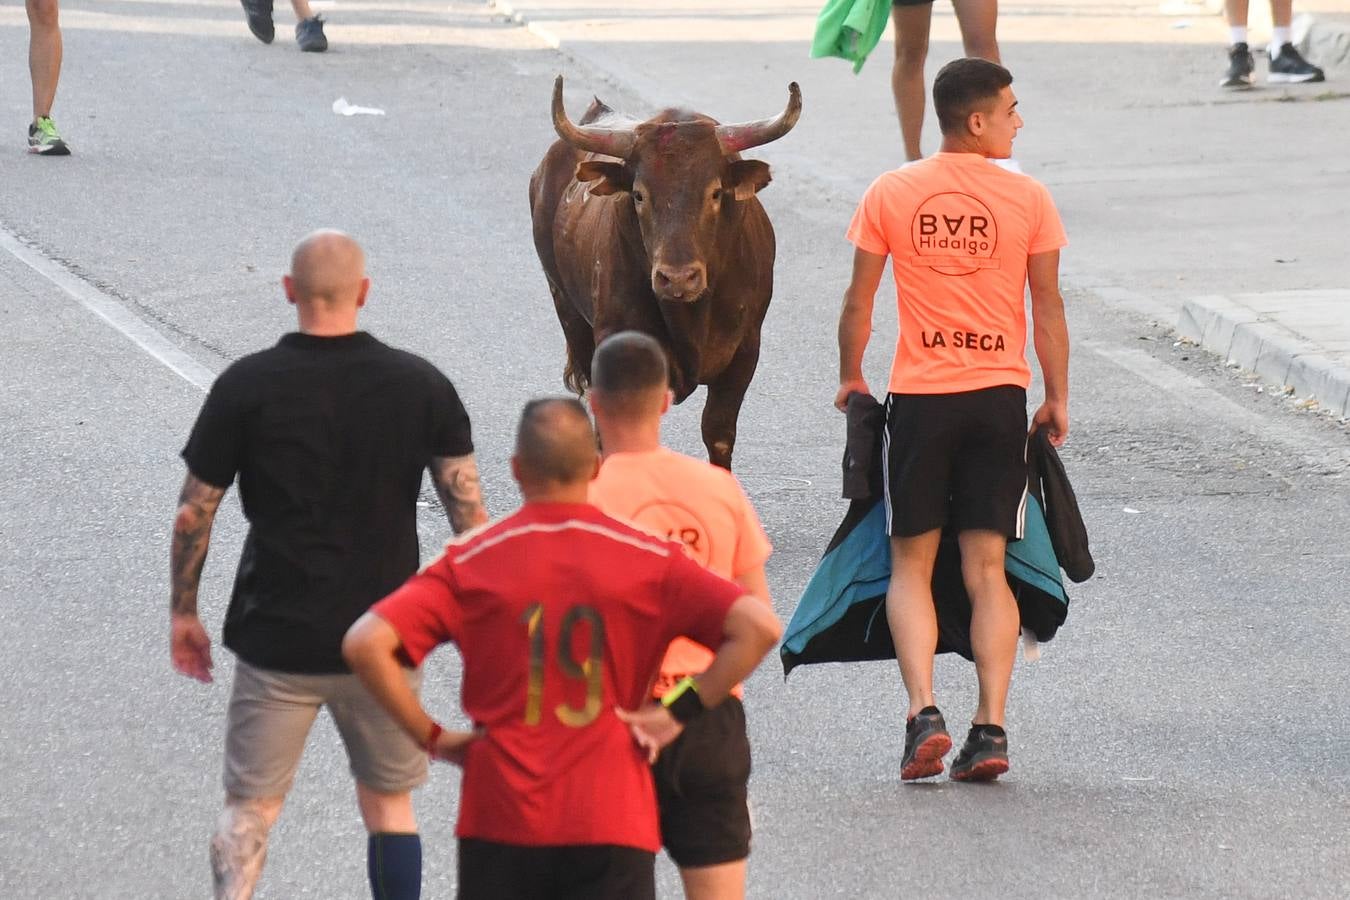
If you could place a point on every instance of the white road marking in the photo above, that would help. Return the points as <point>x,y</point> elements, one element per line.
<point>115,313</point>
<point>112,311</point>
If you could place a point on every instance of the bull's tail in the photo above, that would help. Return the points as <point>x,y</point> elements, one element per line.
<point>576,379</point>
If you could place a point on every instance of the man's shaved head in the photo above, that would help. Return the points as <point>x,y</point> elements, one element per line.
<point>327,267</point>
<point>555,442</point>
<point>629,374</point>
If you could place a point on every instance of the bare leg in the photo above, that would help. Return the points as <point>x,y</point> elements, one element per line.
<point>724,882</point>
<point>386,812</point>
<point>302,10</point>
<point>994,620</point>
<point>979,21</point>
<point>1236,11</point>
<point>239,846</point>
<point>911,50</point>
<point>1281,12</point>
<point>912,615</point>
<point>44,53</point>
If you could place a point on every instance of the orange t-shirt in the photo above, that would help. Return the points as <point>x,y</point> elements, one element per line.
<point>958,229</point>
<point>700,505</point>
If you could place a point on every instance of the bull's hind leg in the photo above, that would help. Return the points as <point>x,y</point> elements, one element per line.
<point>580,340</point>
<point>723,406</point>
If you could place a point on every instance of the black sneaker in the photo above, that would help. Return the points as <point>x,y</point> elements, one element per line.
<point>1240,66</point>
<point>926,742</point>
<point>984,756</point>
<point>309,35</point>
<point>259,13</point>
<point>1290,68</point>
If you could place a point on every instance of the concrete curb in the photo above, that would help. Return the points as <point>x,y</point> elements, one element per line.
<point>1244,337</point>
<point>1327,44</point>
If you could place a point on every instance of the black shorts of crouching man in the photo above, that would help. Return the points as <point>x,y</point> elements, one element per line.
<point>702,789</point>
<point>956,459</point>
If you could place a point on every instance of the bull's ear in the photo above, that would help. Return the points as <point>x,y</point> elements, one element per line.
<point>606,177</point>
<point>747,177</point>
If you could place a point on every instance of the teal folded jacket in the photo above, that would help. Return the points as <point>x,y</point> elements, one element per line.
<point>850,29</point>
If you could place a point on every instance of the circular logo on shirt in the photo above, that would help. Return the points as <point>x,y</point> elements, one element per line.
<point>954,234</point>
<point>677,523</point>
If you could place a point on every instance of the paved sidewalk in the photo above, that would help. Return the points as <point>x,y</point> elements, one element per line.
<point>1220,214</point>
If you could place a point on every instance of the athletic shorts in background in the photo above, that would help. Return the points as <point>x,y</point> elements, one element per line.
<point>492,871</point>
<point>911,2</point>
<point>958,459</point>
<point>702,784</point>
<point>270,715</point>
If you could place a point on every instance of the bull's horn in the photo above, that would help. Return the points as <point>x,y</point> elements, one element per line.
<point>735,138</point>
<point>589,138</point>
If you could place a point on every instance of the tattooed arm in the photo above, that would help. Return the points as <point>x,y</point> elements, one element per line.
<point>456,479</point>
<point>189,645</point>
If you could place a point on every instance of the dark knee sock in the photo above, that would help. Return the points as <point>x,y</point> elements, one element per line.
<point>394,864</point>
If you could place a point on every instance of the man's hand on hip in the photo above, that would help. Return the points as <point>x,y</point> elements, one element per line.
<point>190,646</point>
<point>852,386</point>
<point>1054,418</point>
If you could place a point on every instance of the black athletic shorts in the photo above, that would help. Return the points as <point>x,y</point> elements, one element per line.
<point>702,782</point>
<point>492,871</point>
<point>911,2</point>
<point>958,459</point>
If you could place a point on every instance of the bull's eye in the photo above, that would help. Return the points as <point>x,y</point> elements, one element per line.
<point>637,197</point>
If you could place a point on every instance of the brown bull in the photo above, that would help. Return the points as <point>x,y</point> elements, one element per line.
<point>655,226</point>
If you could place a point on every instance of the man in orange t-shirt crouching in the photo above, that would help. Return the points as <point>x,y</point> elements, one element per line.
<point>965,237</point>
<point>701,778</point>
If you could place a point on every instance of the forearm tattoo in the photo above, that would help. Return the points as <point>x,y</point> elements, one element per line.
<point>457,485</point>
<point>197,504</point>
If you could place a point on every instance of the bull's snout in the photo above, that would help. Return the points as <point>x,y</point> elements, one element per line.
<point>680,282</point>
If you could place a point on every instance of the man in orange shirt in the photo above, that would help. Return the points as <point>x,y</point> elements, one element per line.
<point>965,238</point>
<point>702,778</point>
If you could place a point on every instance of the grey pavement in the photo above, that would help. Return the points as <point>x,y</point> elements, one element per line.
<point>1173,191</point>
<point>1182,737</point>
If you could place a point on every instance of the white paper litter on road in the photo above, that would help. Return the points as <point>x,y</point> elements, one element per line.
<point>343,108</point>
<point>1131,510</point>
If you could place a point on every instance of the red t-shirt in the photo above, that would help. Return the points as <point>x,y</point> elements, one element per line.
<point>561,614</point>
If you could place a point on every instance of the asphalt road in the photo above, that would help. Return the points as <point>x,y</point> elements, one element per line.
<point>1184,736</point>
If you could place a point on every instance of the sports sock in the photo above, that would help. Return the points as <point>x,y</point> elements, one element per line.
<point>1279,36</point>
<point>394,865</point>
<point>1237,34</point>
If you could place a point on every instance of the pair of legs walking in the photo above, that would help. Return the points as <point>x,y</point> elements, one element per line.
<point>269,719</point>
<point>393,849</point>
<point>994,627</point>
<point>913,21</point>
<point>44,65</point>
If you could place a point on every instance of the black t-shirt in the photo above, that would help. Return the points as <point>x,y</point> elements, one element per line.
<point>329,437</point>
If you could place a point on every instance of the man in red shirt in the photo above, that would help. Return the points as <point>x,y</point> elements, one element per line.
<point>562,615</point>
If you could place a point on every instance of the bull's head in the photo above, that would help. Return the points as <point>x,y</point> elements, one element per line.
<point>685,178</point>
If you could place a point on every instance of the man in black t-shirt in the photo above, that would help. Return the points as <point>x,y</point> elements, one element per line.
<point>328,433</point>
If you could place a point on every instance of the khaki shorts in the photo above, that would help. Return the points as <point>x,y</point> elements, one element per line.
<point>270,716</point>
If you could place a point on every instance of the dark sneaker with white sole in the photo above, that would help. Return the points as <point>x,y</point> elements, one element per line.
<point>309,35</point>
<point>926,742</point>
<point>1289,67</point>
<point>259,14</point>
<point>984,756</point>
<point>44,139</point>
<point>1240,68</point>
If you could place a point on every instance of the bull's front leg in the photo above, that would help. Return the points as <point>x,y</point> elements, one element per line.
<point>723,407</point>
